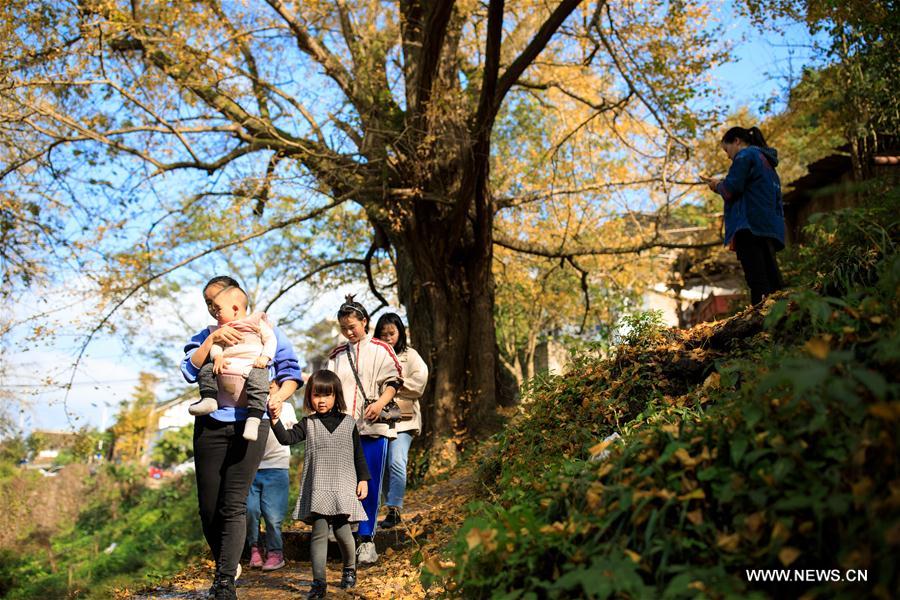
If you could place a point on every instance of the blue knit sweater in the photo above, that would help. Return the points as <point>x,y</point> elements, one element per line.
<point>752,193</point>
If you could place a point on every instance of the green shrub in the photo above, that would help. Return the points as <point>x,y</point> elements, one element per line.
<point>155,532</point>
<point>784,456</point>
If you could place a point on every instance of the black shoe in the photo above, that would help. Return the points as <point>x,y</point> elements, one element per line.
<point>392,519</point>
<point>348,579</point>
<point>318,589</point>
<point>224,588</point>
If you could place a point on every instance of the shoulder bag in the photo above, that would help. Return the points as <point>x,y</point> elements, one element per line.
<point>390,414</point>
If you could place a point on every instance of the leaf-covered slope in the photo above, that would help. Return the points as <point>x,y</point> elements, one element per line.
<point>765,441</point>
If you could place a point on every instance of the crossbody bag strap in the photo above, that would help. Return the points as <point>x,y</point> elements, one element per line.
<point>356,376</point>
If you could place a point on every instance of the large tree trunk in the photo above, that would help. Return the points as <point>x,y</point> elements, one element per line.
<point>450,303</point>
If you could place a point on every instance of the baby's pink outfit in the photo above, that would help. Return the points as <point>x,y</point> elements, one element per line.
<point>257,339</point>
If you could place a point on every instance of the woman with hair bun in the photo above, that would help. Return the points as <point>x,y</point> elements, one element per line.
<point>370,376</point>
<point>754,213</point>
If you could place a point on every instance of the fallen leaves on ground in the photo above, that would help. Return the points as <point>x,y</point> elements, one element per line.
<point>431,517</point>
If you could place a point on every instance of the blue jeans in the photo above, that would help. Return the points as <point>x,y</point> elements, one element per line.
<point>268,498</point>
<point>375,451</point>
<point>398,456</point>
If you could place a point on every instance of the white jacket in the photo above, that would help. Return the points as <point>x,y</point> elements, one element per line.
<point>277,456</point>
<point>377,365</point>
<point>415,378</point>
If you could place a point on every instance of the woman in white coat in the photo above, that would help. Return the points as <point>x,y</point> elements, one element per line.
<point>415,377</point>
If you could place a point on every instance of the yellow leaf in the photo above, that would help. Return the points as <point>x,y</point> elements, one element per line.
<point>697,494</point>
<point>682,455</point>
<point>862,487</point>
<point>433,565</point>
<point>712,381</point>
<point>634,556</point>
<point>598,448</point>
<point>729,542</point>
<point>475,538</point>
<point>818,348</point>
<point>788,555</point>
<point>695,516</point>
<point>887,411</point>
<point>780,532</point>
<point>594,498</point>
<point>755,522</point>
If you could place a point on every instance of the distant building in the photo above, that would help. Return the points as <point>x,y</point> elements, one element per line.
<point>52,443</point>
<point>830,183</point>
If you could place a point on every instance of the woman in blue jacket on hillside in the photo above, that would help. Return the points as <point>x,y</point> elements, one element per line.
<point>754,214</point>
<point>225,463</point>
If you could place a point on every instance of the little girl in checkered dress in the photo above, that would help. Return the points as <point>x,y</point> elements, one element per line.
<point>335,475</point>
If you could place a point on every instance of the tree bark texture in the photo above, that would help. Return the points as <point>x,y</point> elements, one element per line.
<point>450,302</point>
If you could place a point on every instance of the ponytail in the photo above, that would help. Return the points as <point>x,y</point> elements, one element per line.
<point>751,137</point>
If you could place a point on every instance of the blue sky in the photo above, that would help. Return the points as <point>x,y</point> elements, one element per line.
<point>761,70</point>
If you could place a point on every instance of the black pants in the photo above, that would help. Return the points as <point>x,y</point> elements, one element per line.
<point>225,464</point>
<point>757,256</point>
<point>257,388</point>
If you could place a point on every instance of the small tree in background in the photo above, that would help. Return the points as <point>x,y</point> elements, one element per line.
<point>174,447</point>
<point>135,421</point>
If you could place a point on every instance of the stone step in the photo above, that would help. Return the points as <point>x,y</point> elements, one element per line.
<point>296,542</point>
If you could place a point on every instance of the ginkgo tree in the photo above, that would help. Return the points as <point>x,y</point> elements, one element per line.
<point>140,138</point>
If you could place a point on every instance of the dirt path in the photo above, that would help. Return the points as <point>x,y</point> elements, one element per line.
<point>432,515</point>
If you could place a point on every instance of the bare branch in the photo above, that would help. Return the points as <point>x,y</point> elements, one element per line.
<point>370,278</point>
<point>317,50</point>
<point>539,196</point>
<point>534,48</point>
<point>153,277</point>
<point>258,91</point>
<point>565,253</point>
<point>306,277</point>
<point>628,79</point>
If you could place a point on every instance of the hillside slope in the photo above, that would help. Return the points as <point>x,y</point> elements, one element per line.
<point>767,441</point>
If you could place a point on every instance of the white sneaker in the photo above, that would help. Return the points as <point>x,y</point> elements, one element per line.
<point>238,572</point>
<point>366,554</point>
<point>203,407</point>
<point>251,429</point>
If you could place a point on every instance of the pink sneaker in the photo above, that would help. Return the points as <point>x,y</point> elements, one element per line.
<point>256,559</point>
<point>274,560</point>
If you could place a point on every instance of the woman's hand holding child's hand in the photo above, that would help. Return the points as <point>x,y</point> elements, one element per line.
<point>362,490</point>
<point>219,363</point>
<point>261,362</point>
<point>275,412</point>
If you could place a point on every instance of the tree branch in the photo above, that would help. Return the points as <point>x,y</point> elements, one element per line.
<point>371,279</point>
<point>307,276</point>
<point>312,46</point>
<point>153,277</point>
<point>562,253</point>
<point>430,54</point>
<point>628,79</point>
<point>533,49</point>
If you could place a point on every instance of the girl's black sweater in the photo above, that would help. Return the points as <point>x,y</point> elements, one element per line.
<point>330,420</point>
